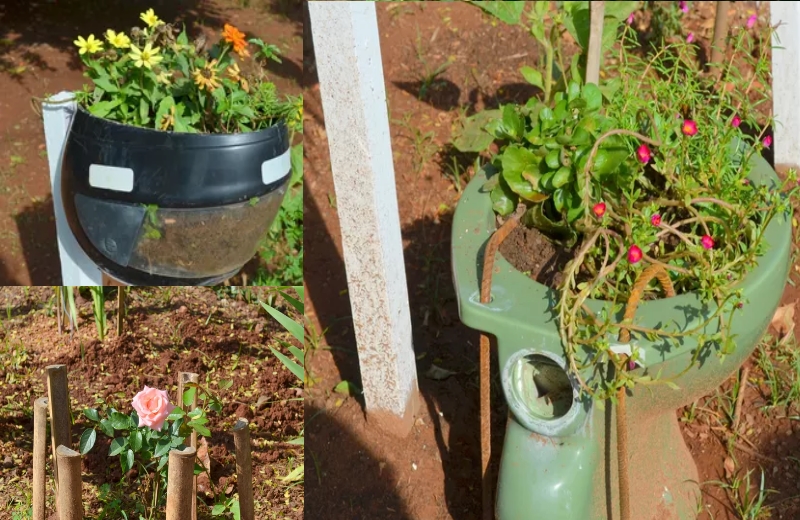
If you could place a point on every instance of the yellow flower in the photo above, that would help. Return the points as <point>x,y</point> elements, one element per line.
<point>168,120</point>
<point>118,40</point>
<point>149,17</point>
<point>145,57</point>
<point>90,44</point>
<point>207,76</point>
<point>164,77</point>
<point>235,74</point>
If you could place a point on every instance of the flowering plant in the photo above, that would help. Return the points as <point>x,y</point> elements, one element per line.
<point>155,77</point>
<point>652,167</point>
<point>143,439</point>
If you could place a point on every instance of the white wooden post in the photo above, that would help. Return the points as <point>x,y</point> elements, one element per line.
<point>347,48</point>
<point>76,267</point>
<point>785,76</point>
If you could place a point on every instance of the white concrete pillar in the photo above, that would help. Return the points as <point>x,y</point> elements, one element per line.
<point>347,49</point>
<point>76,267</point>
<point>786,81</point>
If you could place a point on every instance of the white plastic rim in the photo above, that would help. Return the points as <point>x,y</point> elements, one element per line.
<point>516,396</point>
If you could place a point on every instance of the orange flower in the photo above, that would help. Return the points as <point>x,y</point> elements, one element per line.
<point>235,37</point>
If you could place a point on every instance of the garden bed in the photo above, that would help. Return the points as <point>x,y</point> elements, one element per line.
<point>168,330</point>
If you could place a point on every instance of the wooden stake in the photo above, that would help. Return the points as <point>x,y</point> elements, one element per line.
<point>180,492</point>
<point>39,457</point>
<point>244,469</point>
<point>60,417</point>
<point>120,309</point>
<point>70,506</point>
<point>183,379</point>
<point>720,32</point>
<point>595,52</point>
<point>58,308</point>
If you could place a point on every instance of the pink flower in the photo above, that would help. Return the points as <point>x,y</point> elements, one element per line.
<point>736,121</point>
<point>689,127</point>
<point>655,220</point>
<point>767,141</point>
<point>630,19</point>
<point>631,365</point>
<point>745,181</point>
<point>599,209</point>
<point>153,407</point>
<point>643,153</point>
<point>690,37</point>
<point>634,254</point>
<point>707,242</point>
<point>683,7</point>
<point>751,21</point>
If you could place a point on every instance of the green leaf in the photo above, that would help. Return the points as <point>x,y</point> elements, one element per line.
<point>144,111</point>
<point>120,421</point>
<point>202,430</point>
<point>295,368</point>
<point>91,414</point>
<point>295,328</point>
<point>473,137</point>
<point>162,447</point>
<point>176,414</point>
<point>521,171</point>
<point>225,384</point>
<point>513,124</point>
<point>136,440</point>
<point>103,108</point>
<point>218,509</point>
<point>106,428</point>
<point>105,83</point>
<point>504,200</point>
<point>189,395</point>
<point>87,441</point>
<point>117,446</point>
<point>592,95</point>
<point>532,76</point>
<point>508,12</point>
<point>298,305</point>
<point>127,461</point>
<point>347,388</point>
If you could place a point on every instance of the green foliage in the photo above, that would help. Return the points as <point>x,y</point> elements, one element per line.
<point>99,310</point>
<point>296,329</point>
<point>653,160</point>
<point>156,78</point>
<point>282,247</point>
<point>147,449</point>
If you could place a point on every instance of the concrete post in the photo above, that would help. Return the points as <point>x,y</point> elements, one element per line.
<point>350,71</point>
<point>785,67</point>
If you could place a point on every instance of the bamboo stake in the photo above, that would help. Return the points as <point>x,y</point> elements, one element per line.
<point>244,469</point>
<point>183,379</point>
<point>594,51</point>
<point>60,417</point>
<point>58,309</point>
<point>180,492</point>
<point>120,309</point>
<point>70,506</point>
<point>39,457</point>
<point>720,32</point>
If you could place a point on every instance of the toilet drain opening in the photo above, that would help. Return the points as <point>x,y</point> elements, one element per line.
<point>543,386</point>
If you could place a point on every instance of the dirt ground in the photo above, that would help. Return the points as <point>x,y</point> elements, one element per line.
<point>38,58</point>
<point>434,472</point>
<point>216,334</point>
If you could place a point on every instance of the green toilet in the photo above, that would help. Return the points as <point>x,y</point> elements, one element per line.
<point>559,454</point>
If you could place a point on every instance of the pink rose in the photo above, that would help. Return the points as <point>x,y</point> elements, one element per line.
<point>153,406</point>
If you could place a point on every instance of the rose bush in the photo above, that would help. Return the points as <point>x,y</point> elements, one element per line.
<point>143,439</point>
